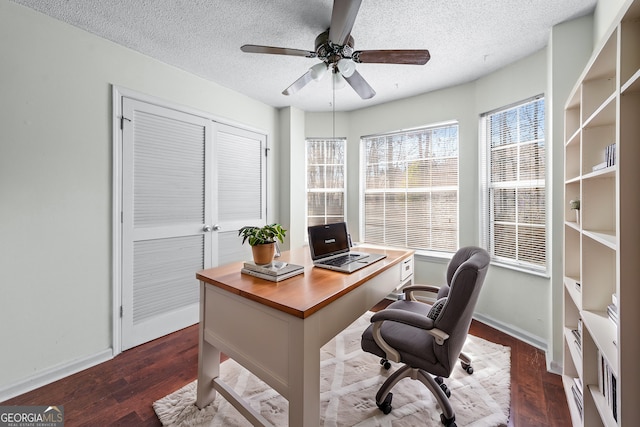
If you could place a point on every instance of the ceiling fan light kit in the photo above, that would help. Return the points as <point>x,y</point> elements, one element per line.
<point>334,47</point>
<point>318,71</point>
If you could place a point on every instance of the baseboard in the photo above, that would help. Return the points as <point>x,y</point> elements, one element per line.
<point>552,365</point>
<point>53,374</point>
<point>515,332</point>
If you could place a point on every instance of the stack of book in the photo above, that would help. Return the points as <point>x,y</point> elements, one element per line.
<point>576,389</point>
<point>610,154</point>
<point>577,334</point>
<point>612,309</point>
<point>609,158</point>
<point>275,271</point>
<point>608,383</point>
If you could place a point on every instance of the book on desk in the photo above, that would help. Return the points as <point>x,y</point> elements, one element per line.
<point>275,271</point>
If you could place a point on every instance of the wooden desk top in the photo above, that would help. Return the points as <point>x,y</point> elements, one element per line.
<point>304,294</point>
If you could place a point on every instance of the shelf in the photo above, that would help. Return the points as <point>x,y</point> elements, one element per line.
<point>573,139</point>
<point>567,382</point>
<point>601,406</point>
<point>605,114</point>
<point>573,225</point>
<point>609,172</point>
<point>576,295</point>
<point>604,237</point>
<point>632,85</point>
<point>573,180</point>
<point>575,351</point>
<point>603,332</point>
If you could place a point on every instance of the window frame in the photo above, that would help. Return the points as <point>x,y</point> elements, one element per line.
<point>325,190</point>
<point>487,234</point>
<point>429,252</point>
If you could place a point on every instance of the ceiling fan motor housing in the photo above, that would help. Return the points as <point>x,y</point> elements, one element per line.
<point>332,53</point>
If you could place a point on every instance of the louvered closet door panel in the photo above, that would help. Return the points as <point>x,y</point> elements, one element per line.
<point>168,171</point>
<point>241,177</point>
<point>163,275</point>
<point>167,198</point>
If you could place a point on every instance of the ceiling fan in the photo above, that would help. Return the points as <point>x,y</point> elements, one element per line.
<point>334,48</point>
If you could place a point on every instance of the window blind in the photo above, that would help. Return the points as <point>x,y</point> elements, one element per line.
<point>326,160</point>
<point>411,188</point>
<point>514,193</point>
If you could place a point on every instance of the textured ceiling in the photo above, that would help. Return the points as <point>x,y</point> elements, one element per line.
<point>466,38</point>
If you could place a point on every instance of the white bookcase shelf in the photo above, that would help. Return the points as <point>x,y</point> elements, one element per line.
<point>602,242</point>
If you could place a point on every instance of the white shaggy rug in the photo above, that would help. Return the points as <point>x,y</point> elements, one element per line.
<point>350,379</point>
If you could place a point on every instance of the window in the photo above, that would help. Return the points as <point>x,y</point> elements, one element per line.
<point>326,159</point>
<point>411,188</point>
<point>513,181</point>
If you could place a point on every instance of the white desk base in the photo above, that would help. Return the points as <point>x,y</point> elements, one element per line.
<point>281,349</point>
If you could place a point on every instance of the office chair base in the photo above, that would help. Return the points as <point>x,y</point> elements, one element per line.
<point>385,363</point>
<point>448,422</point>
<point>465,362</point>
<point>439,390</point>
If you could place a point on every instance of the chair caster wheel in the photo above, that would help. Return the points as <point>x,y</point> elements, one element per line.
<point>468,368</point>
<point>385,406</point>
<point>446,390</point>
<point>448,422</point>
<point>385,363</point>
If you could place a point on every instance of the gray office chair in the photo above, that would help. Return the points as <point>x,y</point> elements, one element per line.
<point>428,339</point>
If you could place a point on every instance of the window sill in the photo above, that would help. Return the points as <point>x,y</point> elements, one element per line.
<point>444,258</point>
<point>506,266</point>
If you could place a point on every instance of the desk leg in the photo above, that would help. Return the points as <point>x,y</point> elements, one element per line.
<point>304,371</point>
<point>208,360</point>
<point>208,369</point>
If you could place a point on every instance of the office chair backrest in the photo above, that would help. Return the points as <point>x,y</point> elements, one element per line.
<point>465,275</point>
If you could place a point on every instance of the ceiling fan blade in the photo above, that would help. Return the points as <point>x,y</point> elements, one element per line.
<point>416,57</point>
<point>252,48</point>
<point>360,85</point>
<point>298,84</point>
<point>342,18</point>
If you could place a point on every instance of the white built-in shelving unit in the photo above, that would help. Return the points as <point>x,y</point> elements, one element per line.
<point>602,243</point>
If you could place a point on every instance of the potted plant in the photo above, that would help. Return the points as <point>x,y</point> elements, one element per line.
<point>575,205</point>
<point>262,241</point>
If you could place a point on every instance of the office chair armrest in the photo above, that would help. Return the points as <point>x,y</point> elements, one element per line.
<point>408,318</point>
<point>409,290</point>
<point>403,316</point>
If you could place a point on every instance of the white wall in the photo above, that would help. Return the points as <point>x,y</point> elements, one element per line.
<point>603,17</point>
<point>56,182</point>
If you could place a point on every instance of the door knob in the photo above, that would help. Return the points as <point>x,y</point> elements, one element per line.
<point>217,228</point>
<point>207,228</point>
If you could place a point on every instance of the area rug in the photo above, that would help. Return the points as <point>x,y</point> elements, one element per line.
<point>350,379</point>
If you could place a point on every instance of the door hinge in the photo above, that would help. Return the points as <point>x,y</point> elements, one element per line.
<point>266,151</point>
<point>121,311</point>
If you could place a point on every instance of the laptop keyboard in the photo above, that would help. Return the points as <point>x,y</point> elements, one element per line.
<point>342,260</point>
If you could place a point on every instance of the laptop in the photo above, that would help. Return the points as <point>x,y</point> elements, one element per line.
<point>330,246</point>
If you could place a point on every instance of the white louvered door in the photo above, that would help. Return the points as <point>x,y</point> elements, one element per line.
<point>240,178</point>
<point>167,220</point>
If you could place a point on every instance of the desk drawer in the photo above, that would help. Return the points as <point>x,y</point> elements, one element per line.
<point>407,269</point>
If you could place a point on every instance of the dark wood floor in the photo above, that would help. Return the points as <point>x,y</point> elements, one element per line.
<point>121,391</point>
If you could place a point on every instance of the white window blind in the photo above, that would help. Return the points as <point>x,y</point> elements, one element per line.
<point>514,195</point>
<point>326,160</point>
<point>411,188</point>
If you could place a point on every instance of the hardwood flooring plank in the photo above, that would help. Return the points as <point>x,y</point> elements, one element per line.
<point>121,391</point>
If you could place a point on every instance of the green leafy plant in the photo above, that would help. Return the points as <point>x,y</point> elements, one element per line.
<point>574,204</point>
<point>261,235</point>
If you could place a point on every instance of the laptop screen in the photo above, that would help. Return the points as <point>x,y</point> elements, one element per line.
<point>328,239</point>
